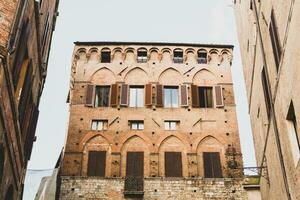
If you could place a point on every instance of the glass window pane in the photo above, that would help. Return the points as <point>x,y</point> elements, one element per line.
<point>167,126</point>
<point>174,98</point>
<point>167,98</point>
<point>134,126</point>
<point>141,125</point>
<point>100,126</point>
<point>94,125</point>
<point>132,97</point>
<point>172,125</point>
<point>140,97</point>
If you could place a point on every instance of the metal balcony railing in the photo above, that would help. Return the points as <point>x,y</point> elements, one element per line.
<point>134,186</point>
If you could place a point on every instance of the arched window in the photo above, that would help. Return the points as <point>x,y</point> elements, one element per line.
<point>202,56</point>
<point>178,56</point>
<point>142,55</point>
<point>105,55</point>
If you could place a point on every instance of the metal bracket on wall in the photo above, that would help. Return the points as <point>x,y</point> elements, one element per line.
<point>113,121</point>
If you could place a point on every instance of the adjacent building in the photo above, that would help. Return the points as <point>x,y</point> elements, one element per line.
<point>269,39</point>
<point>25,39</point>
<point>156,120</point>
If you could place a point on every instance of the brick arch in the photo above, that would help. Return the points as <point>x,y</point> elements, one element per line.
<point>199,141</point>
<point>103,75</point>
<point>93,50</point>
<point>81,54</point>
<point>180,137</point>
<point>204,77</point>
<point>128,137</point>
<point>89,136</point>
<point>137,76</point>
<point>170,76</point>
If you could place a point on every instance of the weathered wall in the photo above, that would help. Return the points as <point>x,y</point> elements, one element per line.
<point>74,188</point>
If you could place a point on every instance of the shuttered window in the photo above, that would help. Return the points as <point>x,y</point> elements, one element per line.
<point>148,100</point>
<point>184,95</point>
<point>195,96</point>
<point>170,97</point>
<point>90,95</point>
<point>173,164</point>
<point>136,96</point>
<point>273,31</point>
<point>159,95</point>
<point>212,165</point>
<point>96,163</point>
<point>102,96</point>
<point>205,97</point>
<point>124,95</point>
<point>219,96</point>
<point>135,164</point>
<point>114,95</point>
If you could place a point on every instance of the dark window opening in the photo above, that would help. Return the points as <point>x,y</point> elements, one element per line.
<point>202,58</point>
<point>173,164</point>
<point>212,165</point>
<point>96,163</point>
<point>142,56</point>
<point>266,91</point>
<point>273,31</point>
<point>178,56</point>
<point>105,57</point>
<point>205,97</point>
<point>102,96</point>
<point>291,117</point>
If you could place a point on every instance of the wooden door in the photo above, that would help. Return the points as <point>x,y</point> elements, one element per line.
<point>135,164</point>
<point>173,164</point>
<point>212,165</point>
<point>96,163</point>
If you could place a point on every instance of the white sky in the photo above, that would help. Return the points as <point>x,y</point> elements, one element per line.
<point>189,21</point>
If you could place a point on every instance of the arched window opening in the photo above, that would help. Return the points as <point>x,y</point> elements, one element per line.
<point>202,57</point>
<point>105,56</point>
<point>178,56</point>
<point>142,56</point>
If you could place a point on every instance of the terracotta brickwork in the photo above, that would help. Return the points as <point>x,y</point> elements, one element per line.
<point>198,130</point>
<point>22,74</point>
<point>268,34</point>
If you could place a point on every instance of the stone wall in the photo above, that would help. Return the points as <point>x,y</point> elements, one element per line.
<point>154,188</point>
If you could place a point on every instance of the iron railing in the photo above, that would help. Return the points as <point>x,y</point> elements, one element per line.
<point>134,186</point>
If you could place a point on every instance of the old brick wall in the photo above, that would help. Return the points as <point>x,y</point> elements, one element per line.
<point>74,188</point>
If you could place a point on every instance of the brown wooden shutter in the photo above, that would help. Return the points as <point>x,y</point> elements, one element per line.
<point>159,95</point>
<point>31,131</point>
<point>90,95</point>
<point>124,95</point>
<point>96,163</point>
<point>173,164</point>
<point>219,96</point>
<point>195,96</point>
<point>148,98</point>
<point>212,165</point>
<point>114,95</point>
<point>184,95</point>
<point>135,164</point>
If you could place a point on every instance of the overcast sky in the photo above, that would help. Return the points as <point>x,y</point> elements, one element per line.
<point>189,21</point>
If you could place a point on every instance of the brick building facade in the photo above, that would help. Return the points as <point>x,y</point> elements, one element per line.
<point>269,39</point>
<point>26,32</point>
<point>141,110</point>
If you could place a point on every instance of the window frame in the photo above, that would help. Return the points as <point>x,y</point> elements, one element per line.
<point>136,104</point>
<point>171,88</point>
<point>205,96</point>
<point>168,125</point>
<point>104,125</point>
<point>178,58</point>
<point>108,96</point>
<point>104,57</point>
<point>139,125</point>
<point>142,58</point>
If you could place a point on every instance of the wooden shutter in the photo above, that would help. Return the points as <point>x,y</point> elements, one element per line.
<point>159,95</point>
<point>135,164</point>
<point>96,163</point>
<point>148,98</point>
<point>31,131</point>
<point>90,95</point>
<point>114,95</point>
<point>184,95</point>
<point>173,164</point>
<point>219,96</point>
<point>212,165</point>
<point>195,96</point>
<point>124,95</point>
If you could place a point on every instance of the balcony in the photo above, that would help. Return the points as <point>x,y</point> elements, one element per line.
<point>134,186</point>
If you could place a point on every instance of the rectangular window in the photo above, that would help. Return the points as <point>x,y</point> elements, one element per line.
<point>136,96</point>
<point>102,96</point>
<point>266,91</point>
<point>178,57</point>
<point>293,134</point>
<point>99,125</point>
<point>171,125</point>
<point>212,165</point>
<point>173,164</point>
<point>275,40</point>
<point>171,97</point>
<point>105,57</point>
<point>142,56</point>
<point>202,57</point>
<point>96,163</point>
<point>136,125</point>
<point>205,97</point>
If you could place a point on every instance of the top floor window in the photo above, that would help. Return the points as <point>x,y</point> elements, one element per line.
<point>202,57</point>
<point>142,56</point>
<point>178,56</point>
<point>102,96</point>
<point>105,56</point>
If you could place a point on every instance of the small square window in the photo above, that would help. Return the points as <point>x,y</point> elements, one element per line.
<point>137,125</point>
<point>99,125</point>
<point>105,57</point>
<point>171,125</point>
<point>142,56</point>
